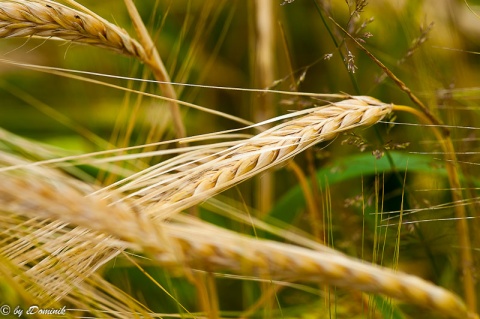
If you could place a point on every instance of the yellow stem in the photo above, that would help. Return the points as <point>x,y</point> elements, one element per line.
<point>311,203</point>
<point>426,112</point>
<point>267,294</point>
<point>460,212</point>
<point>264,69</point>
<point>155,63</point>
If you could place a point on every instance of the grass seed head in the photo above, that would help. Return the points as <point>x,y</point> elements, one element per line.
<point>48,19</point>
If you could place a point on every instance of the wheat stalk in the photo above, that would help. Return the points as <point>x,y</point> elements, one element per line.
<point>53,20</point>
<point>170,194</point>
<point>195,244</point>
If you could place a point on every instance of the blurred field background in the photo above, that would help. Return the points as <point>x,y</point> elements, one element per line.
<point>367,182</point>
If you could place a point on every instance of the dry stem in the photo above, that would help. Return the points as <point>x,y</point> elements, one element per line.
<point>397,81</point>
<point>263,107</point>
<point>155,63</point>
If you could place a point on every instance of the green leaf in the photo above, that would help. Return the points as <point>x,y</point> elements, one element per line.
<point>351,167</point>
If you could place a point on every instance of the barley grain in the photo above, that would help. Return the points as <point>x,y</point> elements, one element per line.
<point>50,19</point>
<point>240,162</point>
<point>243,255</point>
<point>193,243</point>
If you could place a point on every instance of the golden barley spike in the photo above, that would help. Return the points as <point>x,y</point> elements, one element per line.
<point>48,19</point>
<point>196,244</point>
<point>250,157</point>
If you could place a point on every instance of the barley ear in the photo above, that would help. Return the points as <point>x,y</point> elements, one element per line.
<point>194,244</point>
<point>211,248</point>
<point>250,157</point>
<point>48,19</point>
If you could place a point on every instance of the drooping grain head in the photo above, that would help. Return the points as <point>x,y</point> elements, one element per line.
<point>166,195</point>
<point>48,19</point>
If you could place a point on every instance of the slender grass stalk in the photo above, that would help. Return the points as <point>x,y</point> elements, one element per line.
<point>309,199</point>
<point>397,81</point>
<point>460,212</point>
<point>442,135</point>
<point>155,63</point>
<point>310,191</point>
<point>50,19</point>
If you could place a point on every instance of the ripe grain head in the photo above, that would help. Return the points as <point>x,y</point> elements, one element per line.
<point>211,248</point>
<point>129,223</point>
<point>48,19</point>
<point>185,242</point>
<point>249,157</point>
